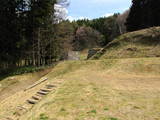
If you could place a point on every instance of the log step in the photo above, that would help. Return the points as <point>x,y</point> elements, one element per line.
<point>36,98</point>
<point>42,93</point>
<point>31,102</point>
<point>44,90</point>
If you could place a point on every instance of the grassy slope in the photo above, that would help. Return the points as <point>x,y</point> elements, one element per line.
<point>105,89</point>
<point>13,84</point>
<point>143,43</point>
<point>115,89</point>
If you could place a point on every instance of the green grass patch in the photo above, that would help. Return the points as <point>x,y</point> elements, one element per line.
<point>43,117</point>
<point>112,118</point>
<point>92,111</point>
<point>106,109</point>
<point>62,110</point>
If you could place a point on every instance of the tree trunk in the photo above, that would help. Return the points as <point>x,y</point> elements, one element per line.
<point>38,50</point>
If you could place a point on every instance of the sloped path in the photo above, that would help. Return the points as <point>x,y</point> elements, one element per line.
<point>36,97</point>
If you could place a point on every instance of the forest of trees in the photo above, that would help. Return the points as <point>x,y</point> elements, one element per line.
<point>85,34</point>
<point>33,34</point>
<point>27,32</point>
<point>107,26</point>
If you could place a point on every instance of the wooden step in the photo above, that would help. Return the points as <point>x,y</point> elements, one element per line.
<point>36,98</point>
<point>42,93</point>
<point>44,90</point>
<point>31,102</point>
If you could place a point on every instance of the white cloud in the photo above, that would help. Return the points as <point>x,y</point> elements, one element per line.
<point>107,14</point>
<point>71,18</point>
<point>61,12</point>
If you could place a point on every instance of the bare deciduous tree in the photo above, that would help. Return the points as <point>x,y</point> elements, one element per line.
<point>121,19</point>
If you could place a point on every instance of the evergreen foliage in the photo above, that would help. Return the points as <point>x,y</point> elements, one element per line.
<point>27,33</point>
<point>143,14</point>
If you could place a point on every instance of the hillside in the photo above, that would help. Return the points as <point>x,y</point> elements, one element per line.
<point>113,89</point>
<point>16,83</point>
<point>122,85</point>
<point>68,60</point>
<point>143,43</point>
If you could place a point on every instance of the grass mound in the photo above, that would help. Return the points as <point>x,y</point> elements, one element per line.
<point>143,43</point>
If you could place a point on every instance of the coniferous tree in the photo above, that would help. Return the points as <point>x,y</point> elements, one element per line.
<point>143,14</point>
<point>9,36</point>
<point>41,29</point>
<point>27,33</point>
<point>134,17</point>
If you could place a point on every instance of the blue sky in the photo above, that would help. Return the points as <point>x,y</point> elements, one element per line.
<point>79,9</point>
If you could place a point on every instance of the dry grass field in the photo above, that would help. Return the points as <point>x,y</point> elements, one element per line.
<point>111,89</point>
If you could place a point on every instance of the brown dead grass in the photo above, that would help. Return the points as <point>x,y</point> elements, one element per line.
<point>138,44</point>
<point>11,85</point>
<point>101,91</point>
<point>112,89</point>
